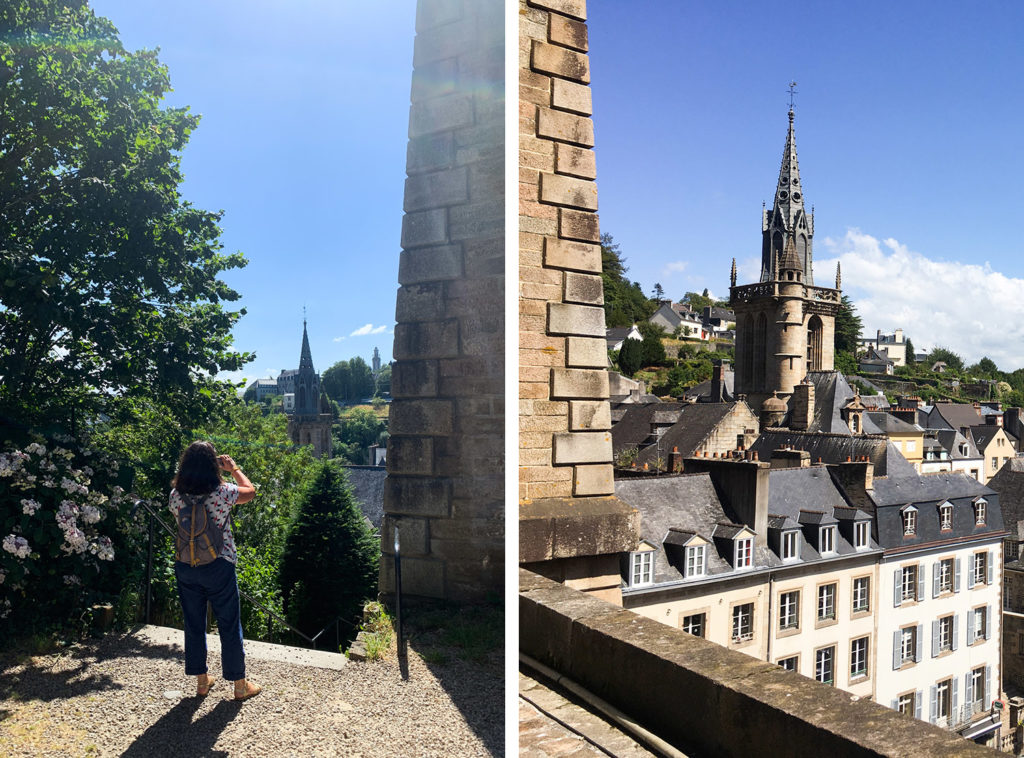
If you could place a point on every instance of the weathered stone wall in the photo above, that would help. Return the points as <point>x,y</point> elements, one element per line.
<point>1013,630</point>
<point>446,451</point>
<point>569,519</point>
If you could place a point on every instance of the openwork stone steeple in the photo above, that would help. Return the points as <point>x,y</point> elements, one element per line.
<point>786,221</point>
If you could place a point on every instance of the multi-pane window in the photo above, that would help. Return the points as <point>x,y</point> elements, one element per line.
<point>695,560</point>
<point>827,539</point>
<point>945,517</point>
<point>905,703</point>
<point>861,532</point>
<point>978,619</point>
<point>979,508</point>
<point>995,462</point>
<point>824,665</point>
<point>1011,548</point>
<point>977,679</point>
<point>945,634</point>
<point>643,568</point>
<point>743,622</point>
<point>861,591</point>
<point>826,602</point>
<point>789,546</point>
<point>859,657</point>
<point>980,568</point>
<point>908,644</point>
<point>695,624</point>
<point>790,664</point>
<point>909,522</point>
<point>946,575</point>
<point>789,610</point>
<point>744,553</point>
<point>943,701</point>
<point>908,583</point>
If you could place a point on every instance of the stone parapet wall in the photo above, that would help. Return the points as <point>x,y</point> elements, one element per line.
<point>446,451</point>
<point>706,699</point>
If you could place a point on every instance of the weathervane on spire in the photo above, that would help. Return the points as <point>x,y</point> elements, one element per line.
<point>792,91</point>
<point>303,314</point>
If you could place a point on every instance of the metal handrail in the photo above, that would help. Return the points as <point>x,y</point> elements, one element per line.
<point>149,582</point>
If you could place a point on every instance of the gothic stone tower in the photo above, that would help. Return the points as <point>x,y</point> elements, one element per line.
<point>310,423</point>
<point>785,326</point>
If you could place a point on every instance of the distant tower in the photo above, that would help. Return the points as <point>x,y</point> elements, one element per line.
<point>785,326</point>
<point>376,361</point>
<point>310,423</point>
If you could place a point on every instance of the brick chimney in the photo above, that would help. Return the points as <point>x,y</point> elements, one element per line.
<point>856,478</point>
<point>717,381</point>
<point>789,458</point>
<point>742,486</point>
<point>675,461</point>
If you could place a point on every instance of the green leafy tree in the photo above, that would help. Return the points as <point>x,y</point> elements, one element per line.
<point>848,327</point>
<point>698,302</point>
<point>630,356</point>
<point>652,350</point>
<point>624,302</point>
<point>947,356</point>
<point>362,379</point>
<point>337,381</point>
<point>331,555</point>
<point>359,429</point>
<point>984,369</point>
<point>109,281</point>
<point>658,293</point>
<point>910,353</point>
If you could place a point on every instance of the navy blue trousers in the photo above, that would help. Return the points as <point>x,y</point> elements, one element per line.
<point>215,582</point>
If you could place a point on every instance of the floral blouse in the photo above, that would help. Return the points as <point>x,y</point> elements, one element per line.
<point>218,505</point>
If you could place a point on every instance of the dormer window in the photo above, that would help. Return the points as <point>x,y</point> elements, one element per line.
<point>979,511</point>
<point>696,560</point>
<point>790,545</point>
<point>861,535</point>
<point>827,539</point>
<point>744,555</point>
<point>946,516</point>
<point>641,568</point>
<point>909,521</point>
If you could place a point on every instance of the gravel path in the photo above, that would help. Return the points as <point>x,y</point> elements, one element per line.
<point>125,696</point>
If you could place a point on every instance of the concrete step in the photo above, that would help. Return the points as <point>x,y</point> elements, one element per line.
<point>261,651</point>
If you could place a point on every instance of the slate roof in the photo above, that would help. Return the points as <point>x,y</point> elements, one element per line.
<point>695,423</point>
<point>891,494</point>
<point>634,428</point>
<point>687,502</point>
<point>953,416</point>
<point>831,393</point>
<point>875,402</point>
<point>983,434</point>
<point>702,392</point>
<point>880,422</point>
<point>874,358</point>
<point>1009,483</point>
<point>368,488</point>
<point>834,448</point>
<point>951,439</point>
<point>669,314</point>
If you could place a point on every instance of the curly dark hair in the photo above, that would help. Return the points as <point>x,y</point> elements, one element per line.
<point>198,470</point>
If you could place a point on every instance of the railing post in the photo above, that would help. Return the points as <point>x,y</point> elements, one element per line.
<point>149,569</point>
<point>398,589</point>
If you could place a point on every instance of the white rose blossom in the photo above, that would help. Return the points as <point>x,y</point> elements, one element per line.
<point>17,546</point>
<point>30,506</point>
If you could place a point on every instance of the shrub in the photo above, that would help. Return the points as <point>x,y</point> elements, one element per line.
<point>331,556</point>
<point>58,518</point>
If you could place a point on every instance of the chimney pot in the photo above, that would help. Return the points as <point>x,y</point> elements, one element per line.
<point>848,459</point>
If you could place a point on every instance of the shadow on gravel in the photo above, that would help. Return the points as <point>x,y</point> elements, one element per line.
<point>176,728</point>
<point>463,647</point>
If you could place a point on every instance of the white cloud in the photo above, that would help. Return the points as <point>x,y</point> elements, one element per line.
<point>368,329</point>
<point>675,267</point>
<point>338,339</point>
<point>969,308</point>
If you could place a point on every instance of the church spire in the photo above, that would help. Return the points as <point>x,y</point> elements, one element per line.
<point>787,219</point>
<point>306,358</point>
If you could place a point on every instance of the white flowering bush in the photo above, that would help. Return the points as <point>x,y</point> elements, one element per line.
<point>57,519</point>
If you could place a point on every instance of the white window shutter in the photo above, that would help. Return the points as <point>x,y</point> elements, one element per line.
<point>933,708</point>
<point>919,643</point>
<point>956,576</point>
<point>935,638</point>
<point>956,635</point>
<point>920,582</point>
<point>918,700</point>
<point>953,703</point>
<point>968,689</point>
<point>991,565</point>
<point>895,705</point>
<point>970,628</point>
<point>988,687</point>
<point>988,622</point>
<point>935,579</point>
<point>896,647</point>
<point>970,572</point>
<point>897,586</point>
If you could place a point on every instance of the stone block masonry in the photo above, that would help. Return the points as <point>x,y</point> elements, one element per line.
<point>446,450</point>
<point>565,456</point>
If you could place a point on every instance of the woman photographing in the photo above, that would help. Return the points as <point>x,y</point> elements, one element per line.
<point>205,561</point>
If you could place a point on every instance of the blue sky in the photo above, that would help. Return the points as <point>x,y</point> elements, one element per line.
<point>908,118</point>
<point>305,108</point>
